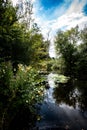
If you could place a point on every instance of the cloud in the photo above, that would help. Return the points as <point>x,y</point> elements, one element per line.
<point>72,16</point>
<point>33,1</point>
<point>63,17</point>
<point>67,21</point>
<point>76,6</point>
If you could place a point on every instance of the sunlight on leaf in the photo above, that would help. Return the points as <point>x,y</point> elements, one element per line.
<point>38,117</point>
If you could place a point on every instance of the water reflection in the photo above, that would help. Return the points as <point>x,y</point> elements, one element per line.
<point>64,106</point>
<point>72,93</point>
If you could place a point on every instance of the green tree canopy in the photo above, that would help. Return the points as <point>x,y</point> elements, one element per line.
<point>66,49</point>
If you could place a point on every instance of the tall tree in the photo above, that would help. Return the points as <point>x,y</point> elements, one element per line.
<point>82,63</point>
<point>66,49</point>
<point>7,18</point>
<point>25,13</point>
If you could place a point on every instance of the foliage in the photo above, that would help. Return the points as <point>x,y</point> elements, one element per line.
<point>82,63</point>
<point>29,85</point>
<point>7,19</point>
<point>17,43</point>
<point>25,88</point>
<point>25,11</point>
<point>22,52</point>
<point>6,81</point>
<point>58,65</point>
<point>71,54</point>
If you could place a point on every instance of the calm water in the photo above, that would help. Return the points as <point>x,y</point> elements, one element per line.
<point>64,106</point>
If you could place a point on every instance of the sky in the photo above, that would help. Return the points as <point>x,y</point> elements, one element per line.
<point>53,15</point>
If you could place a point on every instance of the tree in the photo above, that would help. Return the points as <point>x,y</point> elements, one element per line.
<point>8,18</point>
<point>82,63</point>
<point>21,51</point>
<point>71,54</point>
<point>18,43</point>
<point>25,11</point>
<point>66,48</point>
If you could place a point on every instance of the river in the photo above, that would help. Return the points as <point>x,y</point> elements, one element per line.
<point>64,106</point>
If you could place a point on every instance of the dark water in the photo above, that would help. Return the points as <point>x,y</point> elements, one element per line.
<point>64,106</point>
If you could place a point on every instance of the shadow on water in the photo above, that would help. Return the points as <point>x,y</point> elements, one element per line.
<point>64,106</point>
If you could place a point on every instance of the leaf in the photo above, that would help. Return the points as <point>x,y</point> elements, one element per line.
<point>38,117</point>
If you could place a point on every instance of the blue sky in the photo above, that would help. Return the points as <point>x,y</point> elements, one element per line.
<point>85,9</point>
<point>60,14</point>
<point>51,3</point>
<point>52,15</point>
<point>49,7</point>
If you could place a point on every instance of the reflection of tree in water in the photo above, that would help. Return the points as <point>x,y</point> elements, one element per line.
<point>73,93</point>
<point>82,86</point>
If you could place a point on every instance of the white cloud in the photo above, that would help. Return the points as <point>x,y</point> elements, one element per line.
<point>69,18</point>
<point>69,21</point>
<point>72,17</point>
<point>76,6</point>
<point>33,1</point>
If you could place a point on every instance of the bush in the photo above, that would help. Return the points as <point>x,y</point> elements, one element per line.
<point>22,89</point>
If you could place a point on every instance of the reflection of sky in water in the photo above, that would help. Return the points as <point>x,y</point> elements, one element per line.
<point>75,94</point>
<point>51,80</point>
<point>49,92</point>
<point>49,96</point>
<point>54,114</point>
